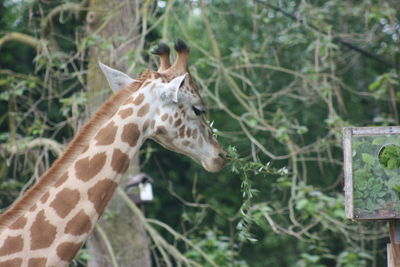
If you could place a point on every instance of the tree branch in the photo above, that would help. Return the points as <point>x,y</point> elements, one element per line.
<point>22,38</point>
<point>22,146</point>
<point>71,7</point>
<point>336,39</point>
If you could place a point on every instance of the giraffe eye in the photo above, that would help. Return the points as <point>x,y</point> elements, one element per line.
<point>196,111</point>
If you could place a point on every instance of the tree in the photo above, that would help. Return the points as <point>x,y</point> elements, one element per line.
<point>114,26</point>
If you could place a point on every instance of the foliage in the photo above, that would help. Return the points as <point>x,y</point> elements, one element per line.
<point>389,157</point>
<point>376,176</point>
<point>218,248</point>
<point>243,167</point>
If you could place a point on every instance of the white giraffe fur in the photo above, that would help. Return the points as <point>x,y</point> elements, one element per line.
<point>116,79</point>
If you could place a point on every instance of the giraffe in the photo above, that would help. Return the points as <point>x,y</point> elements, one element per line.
<point>48,225</point>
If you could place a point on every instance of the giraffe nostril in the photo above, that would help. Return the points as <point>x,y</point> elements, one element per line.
<point>223,154</point>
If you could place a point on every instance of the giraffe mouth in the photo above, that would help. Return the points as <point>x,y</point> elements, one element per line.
<point>213,164</point>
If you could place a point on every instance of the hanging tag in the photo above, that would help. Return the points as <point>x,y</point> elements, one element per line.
<point>146,192</point>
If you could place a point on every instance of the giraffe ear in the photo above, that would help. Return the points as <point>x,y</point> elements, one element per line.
<point>115,78</point>
<point>171,89</point>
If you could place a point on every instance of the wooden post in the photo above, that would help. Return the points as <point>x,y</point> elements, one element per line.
<point>393,249</point>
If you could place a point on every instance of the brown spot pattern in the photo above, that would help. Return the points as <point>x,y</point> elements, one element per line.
<point>161,130</point>
<point>66,251</point>
<point>178,122</point>
<point>146,125</point>
<point>125,113</point>
<point>33,208</point>
<point>182,131</point>
<point>61,180</point>
<point>188,132</point>
<point>164,117</point>
<point>19,224</point>
<point>153,123</point>
<point>130,134</point>
<point>11,263</point>
<point>37,262</point>
<point>194,134</point>
<point>106,135</point>
<point>44,198</point>
<point>143,110</point>
<point>65,201</point>
<point>12,244</point>
<point>42,232</point>
<point>101,193</point>
<point>86,169</point>
<point>139,99</point>
<point>119,161</point>
<point>128,101</point>
<point>113,114</point>
<point>85,149</point>
<point>80,224</point>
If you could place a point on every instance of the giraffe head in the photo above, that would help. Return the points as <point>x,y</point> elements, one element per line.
<point>176,113</point>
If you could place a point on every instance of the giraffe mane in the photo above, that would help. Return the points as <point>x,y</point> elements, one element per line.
<point>73,150</point>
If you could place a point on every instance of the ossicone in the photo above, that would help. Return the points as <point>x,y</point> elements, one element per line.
<point>181,62</point>
<point>181,47</point>
<point>162,51</point>
<point>182,57</point>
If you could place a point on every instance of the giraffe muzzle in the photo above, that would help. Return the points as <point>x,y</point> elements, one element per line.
<point>214,164</point>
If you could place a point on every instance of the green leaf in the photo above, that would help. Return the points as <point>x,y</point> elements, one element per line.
<point>368,159</point>
<point>301,204</point>
<point>396,187</point>
<point>375,85</point>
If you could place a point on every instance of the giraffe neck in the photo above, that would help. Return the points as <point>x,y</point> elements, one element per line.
<point>72,151</point>
<point>57,225</point>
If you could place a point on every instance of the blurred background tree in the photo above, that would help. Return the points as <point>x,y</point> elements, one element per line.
<point>281,78</point>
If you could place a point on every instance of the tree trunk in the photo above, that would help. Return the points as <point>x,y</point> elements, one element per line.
<point>119,238</point>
